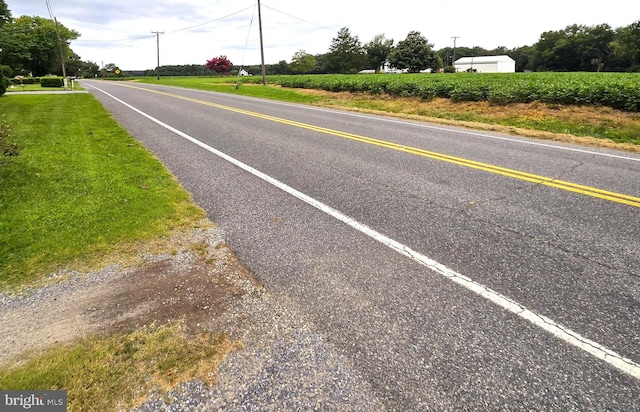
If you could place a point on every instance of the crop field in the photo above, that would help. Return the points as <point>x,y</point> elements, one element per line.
<point>617,90</point>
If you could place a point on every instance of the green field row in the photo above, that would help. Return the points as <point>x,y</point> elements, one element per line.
<point>617,90</point>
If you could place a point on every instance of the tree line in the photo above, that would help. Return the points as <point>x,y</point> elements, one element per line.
<point>577,48</point>
<point>29,45</point>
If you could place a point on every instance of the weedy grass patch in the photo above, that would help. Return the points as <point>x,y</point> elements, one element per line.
<point>80,188</point>
<point>111,372</point>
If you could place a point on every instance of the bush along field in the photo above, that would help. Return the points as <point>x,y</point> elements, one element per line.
<point>617,90</point>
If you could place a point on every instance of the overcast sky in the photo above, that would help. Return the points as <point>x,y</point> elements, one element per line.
<point>120,32</point>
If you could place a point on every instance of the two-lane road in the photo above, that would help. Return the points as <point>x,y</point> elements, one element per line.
<point>453,269</point>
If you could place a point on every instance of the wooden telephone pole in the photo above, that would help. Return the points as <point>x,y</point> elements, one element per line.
<point>158,33</point>
<point>453,61</point>
<point>264,79</point>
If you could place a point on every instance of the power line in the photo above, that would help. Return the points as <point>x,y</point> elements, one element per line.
<point>246,44</point>
<point>298,18</point>
<point>169,32</point>
<point>211,21</point>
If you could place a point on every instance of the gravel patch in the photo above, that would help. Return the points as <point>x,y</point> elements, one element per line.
<point>284,363</point>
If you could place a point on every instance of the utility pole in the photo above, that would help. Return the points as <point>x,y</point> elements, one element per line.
<point>64,70</point>
<point>158,33</point>
<point>453,60</point>
<point>55,25</point>
<point>264,79</point>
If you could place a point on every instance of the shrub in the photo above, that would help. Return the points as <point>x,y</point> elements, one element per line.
<point>6,71</point>
<point>51,82</point>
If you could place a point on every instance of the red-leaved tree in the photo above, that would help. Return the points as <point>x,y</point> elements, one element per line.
<point>220,65</point>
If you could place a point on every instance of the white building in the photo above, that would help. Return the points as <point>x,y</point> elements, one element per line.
<point>486,64</point>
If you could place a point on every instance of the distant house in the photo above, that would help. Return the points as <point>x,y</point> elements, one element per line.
<point>486,64</point>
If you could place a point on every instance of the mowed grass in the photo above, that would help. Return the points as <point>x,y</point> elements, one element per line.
<point>115,372</point>
<point>228,85</point>
<point>81,188</point>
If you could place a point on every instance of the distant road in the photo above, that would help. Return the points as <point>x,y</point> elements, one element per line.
<point>455,270</point>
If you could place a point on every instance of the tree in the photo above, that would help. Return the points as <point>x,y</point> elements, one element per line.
<point>89,70</point>
<point>378,51</point>
<point>5,13</point>
<point>110,70</point>
<point>322,62</point>
<point>73,65</point>
<point>220,65</point>
<point>30,44</point>
<point>302,62</point>
<point>523,57</point>
<point>346,54</point>
<point>576,48</point>
<point>626,47</point>
<point>281,68</point>
<point>413,53</point>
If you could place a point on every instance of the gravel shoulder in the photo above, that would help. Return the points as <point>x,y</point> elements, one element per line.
<point>284,363</point>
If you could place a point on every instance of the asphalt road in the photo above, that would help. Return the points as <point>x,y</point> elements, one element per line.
<point>452,269</point>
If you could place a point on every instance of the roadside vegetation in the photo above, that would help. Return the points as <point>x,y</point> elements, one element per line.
<point>616,90</point>
<point>115,372</point>
<point>573,110</point>
<point>228,85</point>
<point>80,188</point>
<point>17,87</point>
<point>76,190</point>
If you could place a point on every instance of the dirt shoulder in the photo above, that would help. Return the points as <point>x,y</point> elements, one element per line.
<point>196,278</point>
<point>283,363</point>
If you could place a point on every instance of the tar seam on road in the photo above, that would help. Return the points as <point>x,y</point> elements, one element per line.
<point>512,173</point>
<point>601,352</point>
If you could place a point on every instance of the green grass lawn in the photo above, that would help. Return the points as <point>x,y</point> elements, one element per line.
<point>80,188</point>
<point>228,85</point>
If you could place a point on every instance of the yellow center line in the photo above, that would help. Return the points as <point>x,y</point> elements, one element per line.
<point>529,177</point>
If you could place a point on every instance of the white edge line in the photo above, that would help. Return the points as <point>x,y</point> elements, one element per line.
<point>601,352</point>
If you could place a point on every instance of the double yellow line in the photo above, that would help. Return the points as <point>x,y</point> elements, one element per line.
<point>529,177</point>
